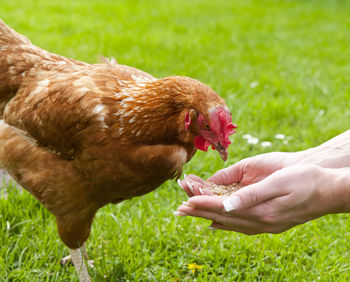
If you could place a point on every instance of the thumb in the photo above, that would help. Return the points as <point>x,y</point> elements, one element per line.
<point>251,195</point>
<point>229,175</point>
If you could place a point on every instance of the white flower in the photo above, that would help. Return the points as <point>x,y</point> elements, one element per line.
<point>285,142</point>
<point>250,139</point>
<point>254,84</point>
<point>266,144</point>
<point>321,113</point>
<point>253,140</point>
<point>280,136</point>
<point>247,136</point>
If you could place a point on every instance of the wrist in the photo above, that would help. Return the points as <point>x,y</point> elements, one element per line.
<point>323,156</point>
<point>300,157</point>
<point>340,194</point>
<point>334,153</point>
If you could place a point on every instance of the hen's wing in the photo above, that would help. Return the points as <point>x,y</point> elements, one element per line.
<point>60,109</point>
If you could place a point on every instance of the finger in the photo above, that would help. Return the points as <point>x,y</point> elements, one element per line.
<point>209,203</point>
<point>253,195</point>
<point>192,184</point>
<point>247,231</point>
<point>229,175</point>
<point>216,225</point>
<point>184,186</point>
<point>207,192</point>
<point>196,188</point>
<point>215,204</point>
<point>233,223</point>
<point>198,185</point>
<point>195,178</point>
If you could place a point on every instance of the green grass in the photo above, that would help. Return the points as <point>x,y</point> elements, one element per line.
<point>299,53</point>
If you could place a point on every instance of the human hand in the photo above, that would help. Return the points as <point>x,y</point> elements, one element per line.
<point>283,199</point>
<point>244,172</point>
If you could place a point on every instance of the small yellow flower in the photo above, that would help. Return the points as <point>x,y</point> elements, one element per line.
<point>194,267</point>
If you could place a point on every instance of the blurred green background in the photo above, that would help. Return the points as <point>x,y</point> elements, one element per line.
<point>282,67</point>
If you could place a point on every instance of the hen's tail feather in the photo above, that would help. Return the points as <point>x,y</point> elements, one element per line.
<point>10,37</point>
<point>19,59</point>
<point>16,58</point>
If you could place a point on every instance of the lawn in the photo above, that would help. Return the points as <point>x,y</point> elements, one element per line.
<point>283,68</point>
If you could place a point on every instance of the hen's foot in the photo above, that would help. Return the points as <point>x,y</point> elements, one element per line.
<point>68,260</point>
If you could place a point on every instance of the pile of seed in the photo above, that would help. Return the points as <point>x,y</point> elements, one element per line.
<point>222,189</point>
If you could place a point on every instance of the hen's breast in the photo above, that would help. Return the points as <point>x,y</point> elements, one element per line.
<point>122,171</point>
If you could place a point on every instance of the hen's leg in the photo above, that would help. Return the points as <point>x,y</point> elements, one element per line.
<point>68,259</point>
<point>78,259</point>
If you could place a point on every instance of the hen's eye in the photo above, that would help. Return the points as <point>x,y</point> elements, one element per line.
<point>205,125</point>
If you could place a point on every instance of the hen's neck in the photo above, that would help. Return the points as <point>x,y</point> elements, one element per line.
<point>151,114</point>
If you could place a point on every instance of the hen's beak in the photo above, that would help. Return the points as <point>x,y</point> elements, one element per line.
<point>223,152</point>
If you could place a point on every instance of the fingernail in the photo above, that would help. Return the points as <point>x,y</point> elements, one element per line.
<point>187,204</point>
<point>201,191</point>
<point>190,186</point>
<point>178,213</point>
<point>179,182</point>
<point>212,228</point>
<point>232,203</point>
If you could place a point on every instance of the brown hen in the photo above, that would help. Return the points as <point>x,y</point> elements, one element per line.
<point>79,136</point>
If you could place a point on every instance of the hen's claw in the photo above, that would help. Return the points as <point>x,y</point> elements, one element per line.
<point>68,260</point>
